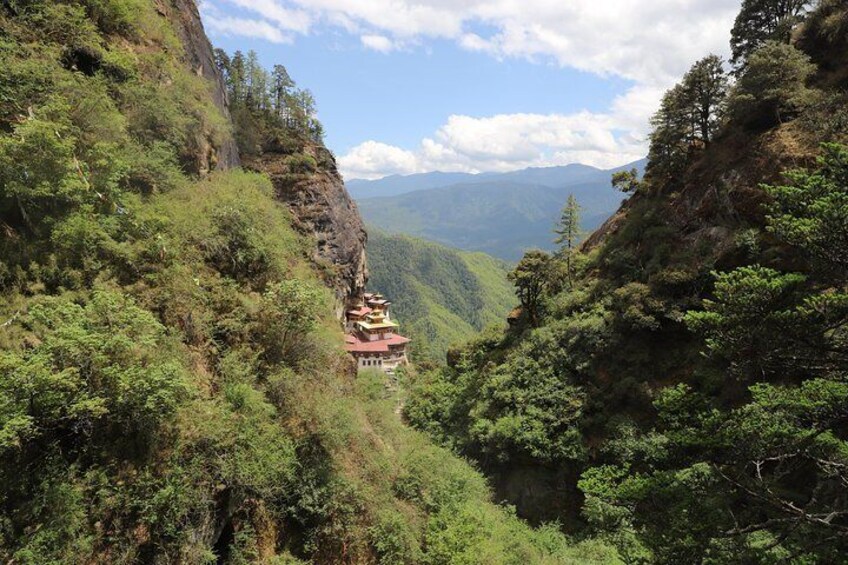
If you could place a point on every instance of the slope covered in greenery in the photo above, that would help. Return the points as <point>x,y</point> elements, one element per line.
<point>172,382</point>
<point>440,296</point>
<point>685,397</point>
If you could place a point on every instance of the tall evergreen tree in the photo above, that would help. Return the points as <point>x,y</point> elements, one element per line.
<point>238,78</point>
<point>668,147</point>
<point>223,62</point>
<point>568,235</point>
<point>689,117</point>
<point>764,20</point>
<point>252,70</point>
<point>706,86</point>
<point>281,85</point>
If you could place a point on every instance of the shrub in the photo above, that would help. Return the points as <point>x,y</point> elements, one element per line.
<point>773,87</point>
<point>97,366</point>
<point>300,163</point>
<point>237,249</point>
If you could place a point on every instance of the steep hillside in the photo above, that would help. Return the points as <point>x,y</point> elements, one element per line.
<point>441,296</point>
<point>685,397</point>
<point>280,137</point>
<point>499,214</point>
<point>173,387</point>
<point>324,211</point>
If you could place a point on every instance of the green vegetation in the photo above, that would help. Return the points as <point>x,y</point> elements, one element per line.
<point>689,118</point>
<point>172,383</point>
<point>269,112</point>
<point>688,390</point>
<point>440,296</point>
<point>773,88</point>
<point>568,235</point>
<point>705,452</point>
<point>761,21</point>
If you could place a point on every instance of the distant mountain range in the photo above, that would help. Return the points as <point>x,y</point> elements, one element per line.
<point>502,214</point>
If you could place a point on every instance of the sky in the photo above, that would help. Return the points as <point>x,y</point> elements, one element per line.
<point>412,86</point>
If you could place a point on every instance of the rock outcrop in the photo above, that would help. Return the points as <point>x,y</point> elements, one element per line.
<point>320,204</point>
<point>323,209</point>
<point>216,154</point>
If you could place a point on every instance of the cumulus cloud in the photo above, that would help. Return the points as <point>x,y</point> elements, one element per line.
<point>649,43</point>
<point>379,43</point>
<point>511,141</point>
<point>278,14</point>
<point>373,159</point>
<point>259,29</point>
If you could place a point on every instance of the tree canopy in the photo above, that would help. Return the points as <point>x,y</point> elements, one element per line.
<point>268,109</point>
<point>690,116</point>
<point>760,21</point>
<point>531,277</point>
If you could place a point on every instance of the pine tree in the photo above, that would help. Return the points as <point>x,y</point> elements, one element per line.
<point>568,235</point>
<point>764,20</point>
<point>689,117</point>
<point>281,84</point>
<point>706,86</point>
<point>238,78</point>
<point>251,72</point>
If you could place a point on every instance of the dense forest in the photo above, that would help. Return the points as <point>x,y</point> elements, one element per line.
<point>683,396</point>
<point>268,110</point>
<point>173,387</point>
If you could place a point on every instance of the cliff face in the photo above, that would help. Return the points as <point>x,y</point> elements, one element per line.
<point>720,193</point>
<point>320,204</point>
<point>323,209</point>
<point>219,154</point>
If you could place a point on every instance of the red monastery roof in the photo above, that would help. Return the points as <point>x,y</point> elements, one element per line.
<point>355,345</point>
<point>365,310</point>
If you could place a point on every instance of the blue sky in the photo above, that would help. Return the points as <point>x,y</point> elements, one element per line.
<point>494,85</point>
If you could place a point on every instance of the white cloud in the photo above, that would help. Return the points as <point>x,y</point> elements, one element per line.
<point>379,43</point>
<point>278,14</point>
<point>246,27</point>
<point>373,159</point>
<point>650,43</point>
<point>508,142</point>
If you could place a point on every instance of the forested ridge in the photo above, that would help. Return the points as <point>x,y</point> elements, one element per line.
<point>173,387</point>
<point>440,296</point>
<point>682,394</point>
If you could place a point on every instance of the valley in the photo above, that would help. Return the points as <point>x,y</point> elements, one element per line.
<point>441,296</point>
<point>215,349</point>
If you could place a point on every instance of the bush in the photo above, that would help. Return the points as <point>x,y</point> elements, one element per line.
<point>773,87</point>
<point>115,16</point>
<point>98,366</point>
<point>300,163</point>
<point>237,248</point>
